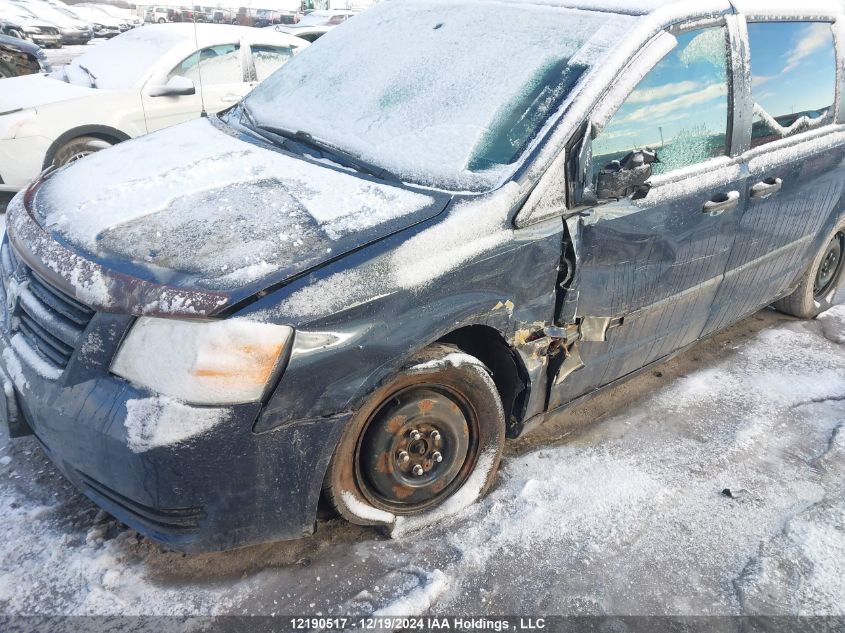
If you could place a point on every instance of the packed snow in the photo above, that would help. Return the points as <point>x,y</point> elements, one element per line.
<point>616,507</point>
<point>162,421</point>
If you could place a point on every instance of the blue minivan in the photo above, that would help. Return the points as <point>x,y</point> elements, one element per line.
<point>438,225</point>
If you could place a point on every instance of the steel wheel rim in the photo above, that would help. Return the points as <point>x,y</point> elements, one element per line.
<point>829,268</point>
<point>388,451</point>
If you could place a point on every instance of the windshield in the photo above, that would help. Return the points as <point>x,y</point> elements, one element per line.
<point>122,62</point>
<point>440,93</point>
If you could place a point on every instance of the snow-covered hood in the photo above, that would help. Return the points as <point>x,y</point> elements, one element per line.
<point>199,207</point>
<point>32,91</point>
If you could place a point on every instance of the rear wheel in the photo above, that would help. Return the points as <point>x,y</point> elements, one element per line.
<point>821,281</point>
<point>436,429</point>
<point>78,148</point>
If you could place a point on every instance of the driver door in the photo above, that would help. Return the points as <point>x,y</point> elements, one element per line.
<point>651,260</point>
<point>219,75</point>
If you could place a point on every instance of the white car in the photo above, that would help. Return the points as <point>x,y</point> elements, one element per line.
<point>18,21</point>
<point>327,17</point>
<point>72,28</point>
<point>308,33</point>
<point>124,15</point>
<point>139,82</point>
<point>104,24</point>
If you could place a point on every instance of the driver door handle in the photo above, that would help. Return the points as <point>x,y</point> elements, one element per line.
<point>766,188</point>
<point>722,202</point>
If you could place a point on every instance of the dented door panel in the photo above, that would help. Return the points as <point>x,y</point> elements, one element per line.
<point>655,264</point>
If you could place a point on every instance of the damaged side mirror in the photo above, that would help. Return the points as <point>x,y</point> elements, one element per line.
<point>628,176</point>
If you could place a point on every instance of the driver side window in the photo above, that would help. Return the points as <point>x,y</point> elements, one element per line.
<point>214,65</point>
<point>679,111</point>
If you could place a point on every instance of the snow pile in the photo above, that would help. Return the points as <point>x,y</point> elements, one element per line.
<point>419,600</point>
<point>214,205</point>
<point>162,421</point>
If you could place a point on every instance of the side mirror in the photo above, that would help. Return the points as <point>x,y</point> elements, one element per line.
<point>628,176</point>
<point>175,87</point>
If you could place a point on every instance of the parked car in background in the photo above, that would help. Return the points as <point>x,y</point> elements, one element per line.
<point>103,24</point>
<point>176,73</point>
<point>328,17</point>
<point>157,15</point>
<point>307,33</point>
<point>19,57</point>
<point>18,21</point>
<point>72,28</point>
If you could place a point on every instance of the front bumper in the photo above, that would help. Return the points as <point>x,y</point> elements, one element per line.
<point>21,160</point>
<point>223,487</point>
<point>76,36</point>
<point>45,39</point>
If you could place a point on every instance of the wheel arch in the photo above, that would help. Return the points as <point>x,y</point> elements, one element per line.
<point>103,132</point>
<point>509,374</point>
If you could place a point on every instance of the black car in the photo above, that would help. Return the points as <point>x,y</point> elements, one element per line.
<point>410,243</point>
<point>20,57</point>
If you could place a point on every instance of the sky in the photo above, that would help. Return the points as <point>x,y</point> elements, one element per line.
<point>794,70</point>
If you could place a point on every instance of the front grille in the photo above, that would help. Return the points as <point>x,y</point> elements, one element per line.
<point>50,322</point>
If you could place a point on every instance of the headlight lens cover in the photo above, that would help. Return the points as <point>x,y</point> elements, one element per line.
<point>231,361</point>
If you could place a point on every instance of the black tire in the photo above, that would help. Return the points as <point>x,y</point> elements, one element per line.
<point>821,281</point>
<point>435,429</point>
<point>78,148</point>
<point>161,20</point>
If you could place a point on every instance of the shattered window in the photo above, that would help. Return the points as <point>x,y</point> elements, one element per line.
<point>679,110</point>
<point>793,69</point>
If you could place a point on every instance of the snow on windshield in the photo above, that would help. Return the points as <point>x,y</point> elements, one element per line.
<point>125,61</point>
<point>441,93</point>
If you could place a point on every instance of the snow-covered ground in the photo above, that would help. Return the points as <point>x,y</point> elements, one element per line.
<point>616,507</point>
<point>60,56</point>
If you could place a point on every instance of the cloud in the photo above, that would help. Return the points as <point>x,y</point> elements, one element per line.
<point>668,108</point>
<point>650,95</point>
<point>814,38</point>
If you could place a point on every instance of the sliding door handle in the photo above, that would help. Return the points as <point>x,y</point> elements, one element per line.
<point>722,202</point>
<point>766,188</point>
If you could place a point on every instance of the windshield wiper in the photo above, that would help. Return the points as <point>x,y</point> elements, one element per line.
<point>283,137</point>
<point>90,74</point>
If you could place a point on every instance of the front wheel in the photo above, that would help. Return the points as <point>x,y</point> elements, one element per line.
<point>78,148</point>
<point>821,282</point>
<point>426,444</point>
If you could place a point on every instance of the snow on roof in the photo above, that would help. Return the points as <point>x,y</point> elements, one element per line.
<point>646,7</point>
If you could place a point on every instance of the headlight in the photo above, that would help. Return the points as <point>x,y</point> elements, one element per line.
<point>203,362</point>
<point>12,122</point>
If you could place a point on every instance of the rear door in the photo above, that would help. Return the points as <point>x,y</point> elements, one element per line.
<point>649,265</point>
<point>794,162</point>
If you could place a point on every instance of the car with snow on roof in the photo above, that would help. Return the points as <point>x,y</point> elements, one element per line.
<point>141,81</point>
<point>411,243</point>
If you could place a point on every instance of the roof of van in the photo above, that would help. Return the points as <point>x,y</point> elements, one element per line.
<point>646,7</point>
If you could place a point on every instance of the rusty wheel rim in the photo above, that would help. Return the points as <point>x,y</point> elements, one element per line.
<point>416,449</point>
<point>828,271</point>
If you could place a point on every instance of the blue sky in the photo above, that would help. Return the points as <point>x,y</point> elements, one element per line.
<point>794,70</point>
<point>793,65</point>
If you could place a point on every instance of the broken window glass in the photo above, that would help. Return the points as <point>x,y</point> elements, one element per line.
<point>793,69</point>
<point>679,110</point>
